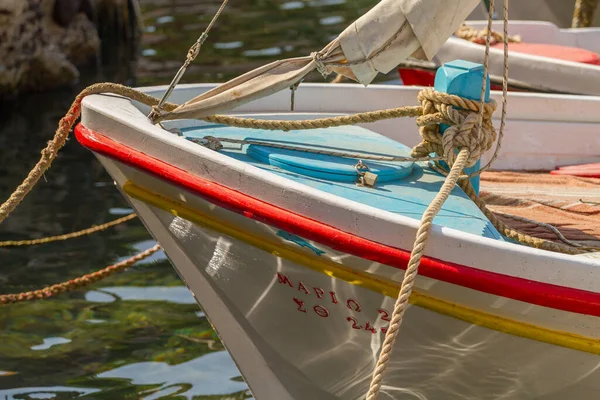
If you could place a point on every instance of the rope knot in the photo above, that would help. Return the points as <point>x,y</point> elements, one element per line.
<point>464,132</point>
<point>321,67</point>
<point>195,49</point>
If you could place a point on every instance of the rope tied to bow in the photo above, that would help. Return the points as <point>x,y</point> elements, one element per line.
<point>465,131</point>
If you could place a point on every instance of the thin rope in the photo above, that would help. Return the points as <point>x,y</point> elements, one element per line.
<point>572,248</point>
<point>77,283</point>
<point>514,234</point>
<point>550,227</point>
<point>67,236</point>
<point>504,88</point>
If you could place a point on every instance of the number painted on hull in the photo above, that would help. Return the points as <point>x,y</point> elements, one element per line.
<point>385,316</point>
<point>355,324</point>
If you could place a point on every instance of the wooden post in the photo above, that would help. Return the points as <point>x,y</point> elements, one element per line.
<point>463,78</point>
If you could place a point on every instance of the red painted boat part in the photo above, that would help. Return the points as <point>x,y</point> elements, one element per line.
<point>582,170</point>
<point>539,293</point>
<point>582,173</point>
<point>565,53</point>
<point>415,77</point>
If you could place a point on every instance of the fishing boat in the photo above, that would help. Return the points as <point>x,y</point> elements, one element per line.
<point>295,237</point>
<point>542,57</point>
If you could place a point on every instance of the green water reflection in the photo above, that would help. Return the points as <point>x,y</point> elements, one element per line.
<point>138,334</point>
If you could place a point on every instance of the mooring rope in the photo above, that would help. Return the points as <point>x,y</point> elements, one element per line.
<point>412,270</point>
<point>60,138</point>
<point>77,283</point>
<point>471,147</point>
<point>67,236</point>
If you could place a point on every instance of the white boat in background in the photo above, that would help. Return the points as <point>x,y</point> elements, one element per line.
<point>298,268</point>
<point>557,12</point>
<point>547,58</point>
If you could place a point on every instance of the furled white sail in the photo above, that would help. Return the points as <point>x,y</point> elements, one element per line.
<point>377,42</point>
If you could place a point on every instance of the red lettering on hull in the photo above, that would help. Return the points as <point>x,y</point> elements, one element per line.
<point>368,327</point>
<point>355,324</point>
<point>385,315</point>
<point>302,288</point>
<point>321,311</point>
<point>284,279</point>
<point>353,305</point>
<point>333,298</point>
<point>300,305</point>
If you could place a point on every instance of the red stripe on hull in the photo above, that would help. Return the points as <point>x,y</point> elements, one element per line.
<point>539,293</point>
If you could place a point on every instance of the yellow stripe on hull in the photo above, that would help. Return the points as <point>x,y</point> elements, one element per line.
<point>367,280</point>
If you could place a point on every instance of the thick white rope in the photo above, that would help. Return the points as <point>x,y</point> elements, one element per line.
<point>463,159</point>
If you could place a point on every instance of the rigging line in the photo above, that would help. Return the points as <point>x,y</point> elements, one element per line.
<point>191,56</point>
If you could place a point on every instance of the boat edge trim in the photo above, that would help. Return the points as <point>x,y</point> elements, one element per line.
<point>367,280</point>
<point>516,288</point>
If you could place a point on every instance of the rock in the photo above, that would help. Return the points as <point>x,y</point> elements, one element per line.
<point>79,41</point>
<point>65,10</point>
<point>36,52</point>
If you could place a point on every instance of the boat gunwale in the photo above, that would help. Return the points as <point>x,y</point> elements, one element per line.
<point>530,291</point>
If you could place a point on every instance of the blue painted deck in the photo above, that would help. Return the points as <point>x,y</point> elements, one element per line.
<point>404,188</point>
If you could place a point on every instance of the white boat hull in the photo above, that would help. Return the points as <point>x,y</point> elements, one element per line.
<point>290,275</point>
<point>541,72</point>
<point>296,332</point>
